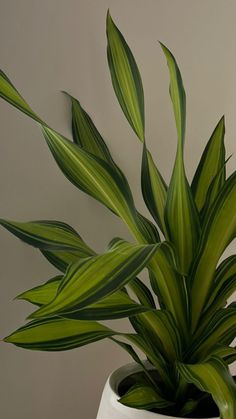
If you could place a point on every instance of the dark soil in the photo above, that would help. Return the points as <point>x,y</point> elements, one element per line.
<point>206,409</point>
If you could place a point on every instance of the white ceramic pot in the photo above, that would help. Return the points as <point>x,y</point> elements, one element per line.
<point>110,408</point>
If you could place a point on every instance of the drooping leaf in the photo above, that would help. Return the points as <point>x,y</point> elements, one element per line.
<point>210,164</point>
<point>144,397</point>
<point>218,232</point>
<point>182,221</point>
<point>126,78</point>
<point>213,377</point>
<point>154,189</point>
<point>89,281</point>
<point>49,235</point>
<point>58,334</point>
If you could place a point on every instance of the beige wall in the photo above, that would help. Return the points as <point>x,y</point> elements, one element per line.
<point>50,45</point>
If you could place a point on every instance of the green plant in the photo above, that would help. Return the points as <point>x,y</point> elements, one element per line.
<point>188,338</point>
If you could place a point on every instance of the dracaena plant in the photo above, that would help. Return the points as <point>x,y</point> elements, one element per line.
<point>181,320</point>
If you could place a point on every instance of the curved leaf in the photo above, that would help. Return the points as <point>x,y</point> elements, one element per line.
<point>85,134</point>
<point>115,306</point>
<point>220,329</point>
<point>224,285</point>
<point>218,232</point>
<point>9,93</point>
<point>213,377</point>
<point>159,329</point>
<point>61,260</point>
<point>212,160</point>
<point>89,281</point>
<point>58,334</point>
<point>49,235</point>
<point>154,189</point>
<point>144,397</point>
<point>170,287</point>
<point>142,292</point>
<point>42,294</point>
<point>125,77</point>
<point>182,221</point>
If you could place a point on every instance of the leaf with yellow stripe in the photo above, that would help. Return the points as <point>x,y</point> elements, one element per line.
<point>9,93</point>
<point>85,133</point>
<point>223,286</point>
<point>218,232</point>
<point>211,162</point>
<point>93,176</point>
<point>115,306</point>
<point>181,216</point>
<point>154,189</point>
<point>213,377</point>
<point>144,396</point>
<point>58,334</point>
<point>60,259</point>
<point>49,235</point>
<point>90,280</point>
<point>125,77</point>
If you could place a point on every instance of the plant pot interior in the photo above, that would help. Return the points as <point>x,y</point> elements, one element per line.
<point>206,408</point>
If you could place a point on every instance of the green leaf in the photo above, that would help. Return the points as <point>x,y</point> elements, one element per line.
<point>148,230</point>
<point>49,235</point>
<point>213,377</point>
<point>223,286</point>
<point>221,328</point>
<point>211,162</point>
<point>61,260</point>
<point>126,78</point>
<point>218,232</point>
<point>87,282</point>
<point>58,334</point>
<point>85,134</point>
<point>159,329</point>
<point>151,350</point>
<point>177,95</point>
<point>9,93</point>
<point>226,353</point>
<point>144,397</point>
<point>130,350</point>
<point>212,192</point>
<point>93,176</point>
<point>142,292</point>
<point>42,294</point>
<point>182,221</point>
<point>154,189</point>
<point>115,306</point>
<point>170,287</point>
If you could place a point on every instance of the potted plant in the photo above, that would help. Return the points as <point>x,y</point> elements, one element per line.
<point>186,337</point>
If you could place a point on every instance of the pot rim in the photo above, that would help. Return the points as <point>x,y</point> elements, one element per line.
<point>116,377</point>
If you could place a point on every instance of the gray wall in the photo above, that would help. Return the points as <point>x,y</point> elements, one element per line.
<point>53,45</point>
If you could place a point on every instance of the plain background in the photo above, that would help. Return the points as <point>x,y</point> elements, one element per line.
<point>53,45</point>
